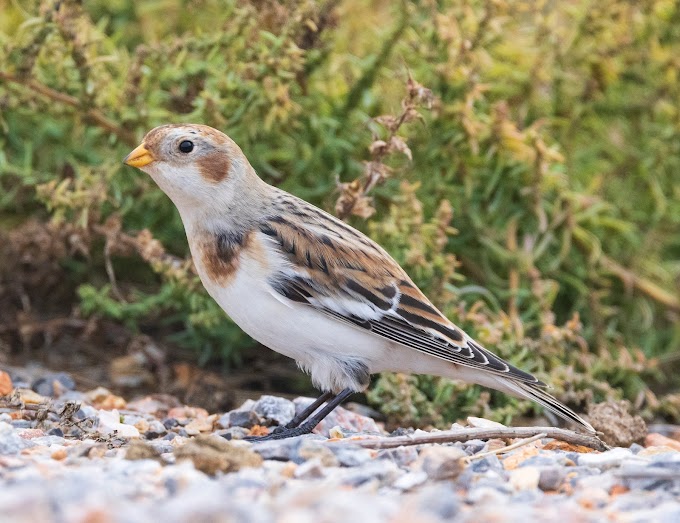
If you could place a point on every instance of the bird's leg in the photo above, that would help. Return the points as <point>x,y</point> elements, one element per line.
<point>313,421</point>
<point>308,411</point>
<point>299,418</point>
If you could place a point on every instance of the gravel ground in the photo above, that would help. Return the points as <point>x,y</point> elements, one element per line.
<point>94,457</point>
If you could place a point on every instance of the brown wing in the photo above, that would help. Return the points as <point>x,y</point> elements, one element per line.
<point>340,271</point>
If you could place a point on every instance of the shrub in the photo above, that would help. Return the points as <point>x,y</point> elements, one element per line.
<point>531,188</point>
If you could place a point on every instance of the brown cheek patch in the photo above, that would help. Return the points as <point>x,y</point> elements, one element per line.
<point>214,167</point>
<point>221,255</point>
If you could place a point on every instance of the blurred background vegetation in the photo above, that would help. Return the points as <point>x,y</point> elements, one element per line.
<point>521,159</point>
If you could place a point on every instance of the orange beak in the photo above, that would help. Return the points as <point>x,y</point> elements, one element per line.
<point>140,157</point>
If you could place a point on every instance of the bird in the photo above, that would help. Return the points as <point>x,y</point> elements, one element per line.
<point>310,286</point>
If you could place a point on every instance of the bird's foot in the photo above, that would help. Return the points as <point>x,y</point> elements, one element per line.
<point>283,433</point>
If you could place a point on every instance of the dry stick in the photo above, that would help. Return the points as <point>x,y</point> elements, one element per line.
<point>93,114</point>
<point>449,436</point>
<point>514,446</point>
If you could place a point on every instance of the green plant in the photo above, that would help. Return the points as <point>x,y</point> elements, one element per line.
<point>533,196</point>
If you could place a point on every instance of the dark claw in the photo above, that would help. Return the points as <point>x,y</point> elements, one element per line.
<point>281,433</point>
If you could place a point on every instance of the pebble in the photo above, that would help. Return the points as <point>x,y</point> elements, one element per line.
<point>273,410</point>
<point>109,423</point>
<point>53,384</point>
<point>183,468</point>
<point>440,463</point>
<point>551,478</point>
<point>525,478</point>
<point>606,460</point>
<point>402,456</point>
<point>10,441</point>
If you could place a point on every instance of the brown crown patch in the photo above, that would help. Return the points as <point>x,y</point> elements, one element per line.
<point>214,166</point>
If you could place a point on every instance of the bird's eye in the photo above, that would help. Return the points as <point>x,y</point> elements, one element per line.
<point>186,146</point>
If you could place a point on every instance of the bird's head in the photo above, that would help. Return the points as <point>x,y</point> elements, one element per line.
<point>195,165</point>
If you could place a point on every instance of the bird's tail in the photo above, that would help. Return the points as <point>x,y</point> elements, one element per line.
<point>540,396</point>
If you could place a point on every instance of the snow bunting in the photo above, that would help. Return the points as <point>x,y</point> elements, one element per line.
<point>308,285</point>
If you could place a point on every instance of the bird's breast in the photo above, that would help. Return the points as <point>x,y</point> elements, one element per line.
<point>239,284</point>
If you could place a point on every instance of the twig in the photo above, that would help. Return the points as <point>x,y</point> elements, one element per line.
<point>651,289</point>
<point>654,291</point>
<point>514,446</point>
<point>93,114</point>
<point>450,436</point>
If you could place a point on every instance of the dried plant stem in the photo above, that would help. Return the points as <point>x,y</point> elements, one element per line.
<point>513,281</point>
<point>628,277</point>
<point>645,286</point>
<point>449,436</point>
<point>94,115</point>
<point>507,448</point>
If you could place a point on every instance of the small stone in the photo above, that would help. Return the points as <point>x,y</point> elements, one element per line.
<point>313,449</point>
<point>517,457</point>
<point>213,454</point>
<point>440,500</point>
<point>162,446</point>
<point>48,441</point>
<point>6,385</point>
<point>487,496</point>
<point>59,454</point>
<point>233,433</point>
<point>312,469</point>
<point>198,425</point>
<point>474,446</point>
<point>657,440</point>
<point>156,405</point>
<point>551,478</point>
<point>336,433</point>
<point>547,459</point>
<point>635,448</point>
<point>169,423</point>
<point>350,455</point>
<point>606,460</point>
<point>141,425</point>
<point>482,423</point>
<point>592,498</point>
<point>10,441</point>
<point>378,473</point>
<point>102,398</point>
<point>54,384</point>
<point>109,423</point>
<point>525,478</point>
<point>31,398</point>
<point>56,431</point>
<point>273,410</point>
<point>156,430</point>
<point>441,463</point>
<point>186,412</point>
<point>487,463</point>
<point>31,433</point>
<point>241,418</point>
<point>402,456</point>
<point>281,449</point>
<point>410,480</point>
<point>140,450</point>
